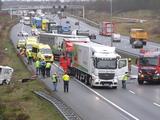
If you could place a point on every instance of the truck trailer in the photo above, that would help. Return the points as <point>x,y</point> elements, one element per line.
<point>97,65</point>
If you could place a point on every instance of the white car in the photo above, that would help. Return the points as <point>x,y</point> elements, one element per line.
<point>23,34</point>
<point>116,37</point>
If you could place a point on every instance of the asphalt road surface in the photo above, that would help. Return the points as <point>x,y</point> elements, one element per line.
<point>135,103</point>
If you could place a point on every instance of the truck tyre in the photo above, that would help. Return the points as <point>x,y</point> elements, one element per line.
<point>4,82</point>
<point>86,80</point>
<point>144,43</point>
<point>90,82</point>
<point>140,82</point>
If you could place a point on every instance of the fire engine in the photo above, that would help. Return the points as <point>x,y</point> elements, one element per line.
<point>148,66</point>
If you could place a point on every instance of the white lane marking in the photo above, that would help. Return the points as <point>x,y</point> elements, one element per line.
<point>110,102</point>
<point>132,92</point>
<point>105,99</point>
<point>156,104</point>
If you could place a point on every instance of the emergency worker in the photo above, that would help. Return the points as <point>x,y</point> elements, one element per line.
<point>124,79</point>
<point>55,81</point>
<point>48,69</point>
<point>66,79</point>
<point>29,57</point>
<point>37,65</point>
<point>43,66</point>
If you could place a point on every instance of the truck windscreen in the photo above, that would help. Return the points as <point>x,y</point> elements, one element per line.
<point>148,61</point>
<point>46,51</point>
<point>105,63</point>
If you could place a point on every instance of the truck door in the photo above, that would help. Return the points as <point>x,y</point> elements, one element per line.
<point>122,67</point>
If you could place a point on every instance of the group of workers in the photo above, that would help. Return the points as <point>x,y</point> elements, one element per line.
<point>43,68</point>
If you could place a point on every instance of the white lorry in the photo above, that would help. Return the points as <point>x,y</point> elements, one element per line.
<point>5,74</point>
<point>97,65</point>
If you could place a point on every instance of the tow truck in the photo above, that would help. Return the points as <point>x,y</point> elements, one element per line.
<point>148,66</point>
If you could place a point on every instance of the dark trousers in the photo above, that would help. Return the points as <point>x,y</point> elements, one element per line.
<point>48,72</point>
<point>43,71</point>
<point>30,60</point>
<point>66,86</point>
<point>55,86</point>
<point>123,83</point>
<point>37,71</point>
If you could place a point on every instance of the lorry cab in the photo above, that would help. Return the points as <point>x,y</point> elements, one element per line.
<point>108,68</point>
<point>45,52</point>
<point>107,28</point>
<point>149,67</point>
<point>5,74</point>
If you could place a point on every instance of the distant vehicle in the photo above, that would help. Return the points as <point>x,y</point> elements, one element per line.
<point>23,34</point>
<point>51,27</point>
<point>116,37</point>
<point>67,22</point>
<point>21,43</point>
<point>27,21</point>
<point>5,74</point>
<point>139,35</point>
<point>92,36</point>
<point>66,29</point>
<point>148,66</point>
<point>37,22</point>
<point>76,23</point>
<point>21,21</point>
<point>44,24</point>
<point>107,28</point>
<point>137,44</point>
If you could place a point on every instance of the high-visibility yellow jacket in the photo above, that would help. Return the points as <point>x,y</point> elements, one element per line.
<point>37,64</point>
<point>48,65</point>
<point>125,77</point>
<point>54,78</point>
<point>66,77</point>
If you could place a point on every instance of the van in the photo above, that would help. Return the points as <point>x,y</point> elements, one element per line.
<point>45,53</point>
<point>29,43</point>
<point>5,74</point>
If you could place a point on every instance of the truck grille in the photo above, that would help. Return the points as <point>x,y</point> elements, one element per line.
<point>148,71</point>
<point>106,76</point>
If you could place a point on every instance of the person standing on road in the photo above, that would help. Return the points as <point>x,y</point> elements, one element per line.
<point>55,81</point>
<point>48,69</point>
<point>43,66</point>
<point>66,79</point>
<point>29,57</point>
<point>124,79</point>
<point>37,65</point>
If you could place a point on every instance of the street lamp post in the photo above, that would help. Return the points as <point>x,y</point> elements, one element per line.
<point>111,22</point>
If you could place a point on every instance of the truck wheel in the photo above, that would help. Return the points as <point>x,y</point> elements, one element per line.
<point>140,82</point>
<point>86,80</point>
<point>4,82</point>
<point>90,82</point>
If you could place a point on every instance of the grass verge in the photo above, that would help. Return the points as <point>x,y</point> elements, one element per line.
<point>17,102</point>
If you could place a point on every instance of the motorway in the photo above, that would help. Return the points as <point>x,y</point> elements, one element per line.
<point>135,103</point>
